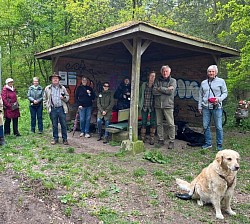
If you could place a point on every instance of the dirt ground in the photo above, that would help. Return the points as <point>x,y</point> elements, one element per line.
<point>23,202</point>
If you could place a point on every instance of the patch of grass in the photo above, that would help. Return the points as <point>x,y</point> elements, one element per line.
<point>139,172</point>
<point>114,143</point>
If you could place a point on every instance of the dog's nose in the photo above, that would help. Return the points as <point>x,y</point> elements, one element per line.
<point>237,167</point>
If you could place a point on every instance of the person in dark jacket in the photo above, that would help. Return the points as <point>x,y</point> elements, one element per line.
<point>11,108</point>
<point>164,91</point>
<point>105,103</point>
<point>84,98</point>
<point>35,96</point>
<point>122,94</point>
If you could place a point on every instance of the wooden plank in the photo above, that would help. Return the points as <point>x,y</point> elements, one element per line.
<point>113,130</point>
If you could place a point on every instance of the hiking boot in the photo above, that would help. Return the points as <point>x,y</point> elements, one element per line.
<point>219,147</point>
<point>105,141</point>
<point>53,142</point>
<point>206,146</point>
<point>143,134</point>
<point>171,145</point>
<point>161,142</point>
<point>99,138</point>
<point>65,142</point>
<point>152,136</point>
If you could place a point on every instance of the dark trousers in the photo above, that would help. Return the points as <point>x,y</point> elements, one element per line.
<point>7,126</point>
<point>36,113</point>
<point>58,114</point>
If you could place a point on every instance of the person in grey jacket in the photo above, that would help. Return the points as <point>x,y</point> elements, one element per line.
<point>213,91</point>
<point>35,96</point>
<point>164,91</point>
<point>55,99</point>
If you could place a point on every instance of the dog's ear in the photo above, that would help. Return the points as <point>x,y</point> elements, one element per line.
<point>219,157</point>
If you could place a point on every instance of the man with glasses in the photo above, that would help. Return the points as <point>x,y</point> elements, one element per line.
<point>105,103</point>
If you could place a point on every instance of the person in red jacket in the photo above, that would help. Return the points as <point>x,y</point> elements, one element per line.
<point>11,108</point>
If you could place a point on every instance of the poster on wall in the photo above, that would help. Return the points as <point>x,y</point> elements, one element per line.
<point>72,79</point>
<point>64,76</point>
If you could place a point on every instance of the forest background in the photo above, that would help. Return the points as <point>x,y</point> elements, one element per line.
<point>31,26</point>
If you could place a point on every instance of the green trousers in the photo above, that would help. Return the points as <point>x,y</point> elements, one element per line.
<point>169,116</point>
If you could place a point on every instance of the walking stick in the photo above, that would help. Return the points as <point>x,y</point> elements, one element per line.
<point>75,122</point>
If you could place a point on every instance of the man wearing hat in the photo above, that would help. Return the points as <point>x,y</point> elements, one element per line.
<point>55,100</point>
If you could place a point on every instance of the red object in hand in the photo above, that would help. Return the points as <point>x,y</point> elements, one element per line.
<point>212,100</point>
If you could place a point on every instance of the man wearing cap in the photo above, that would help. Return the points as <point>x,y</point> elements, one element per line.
<point>55,100</point>
<point>11,107</point>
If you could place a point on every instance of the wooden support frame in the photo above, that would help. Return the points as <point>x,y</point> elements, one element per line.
<point>137,50</point>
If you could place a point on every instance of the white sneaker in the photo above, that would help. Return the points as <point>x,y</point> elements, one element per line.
<point>87,136</point>
<point>82,134</point>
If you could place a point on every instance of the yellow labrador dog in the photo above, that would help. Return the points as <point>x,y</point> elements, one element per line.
<point>215,182</point>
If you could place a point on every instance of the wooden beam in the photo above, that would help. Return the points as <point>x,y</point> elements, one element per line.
<point>145,46</point>
<point>128,46</point>
<point>54,62</point>
<point>135,80</point>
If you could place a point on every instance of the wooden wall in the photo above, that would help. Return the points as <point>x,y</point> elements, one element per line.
<point>189,73</point>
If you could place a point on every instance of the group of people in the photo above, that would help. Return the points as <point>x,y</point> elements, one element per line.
<point>156,100</point>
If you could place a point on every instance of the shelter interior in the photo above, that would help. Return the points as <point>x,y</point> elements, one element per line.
<point>109,57</point>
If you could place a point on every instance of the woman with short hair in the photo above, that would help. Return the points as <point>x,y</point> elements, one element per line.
<point>35,96</point>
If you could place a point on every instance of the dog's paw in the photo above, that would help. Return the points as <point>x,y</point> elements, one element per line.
<point>230,212</point>
<point>200,202</point>
<point>219,216</point>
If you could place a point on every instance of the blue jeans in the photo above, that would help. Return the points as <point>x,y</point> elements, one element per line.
<point>85,116</point>
<point>217,117</point>
<point>36,112</point>
<point>99,126</point>
<point>58,114</point>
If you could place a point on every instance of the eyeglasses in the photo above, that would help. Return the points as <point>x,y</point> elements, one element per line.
<point>105,86</point>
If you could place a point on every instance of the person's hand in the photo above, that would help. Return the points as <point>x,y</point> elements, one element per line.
<point>35,102</point>
<point>128,93</point>
<point>80,107</point>
<point>171,87</point>
<point>216,101</point>
<point>124,96</point>
<point>88,91</point>
<point>104,113</point>
<point>200,111</point>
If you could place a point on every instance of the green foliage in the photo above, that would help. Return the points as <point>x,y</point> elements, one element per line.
<point>156,156</point>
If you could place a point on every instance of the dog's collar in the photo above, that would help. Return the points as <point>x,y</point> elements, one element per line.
<point>229,184</point>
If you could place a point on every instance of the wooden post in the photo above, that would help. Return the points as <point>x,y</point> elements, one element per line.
<point>135,81</point>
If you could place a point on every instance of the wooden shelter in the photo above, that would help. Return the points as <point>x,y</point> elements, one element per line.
<point>133,49</point>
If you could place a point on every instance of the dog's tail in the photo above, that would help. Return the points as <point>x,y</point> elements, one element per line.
<point>184,185</point>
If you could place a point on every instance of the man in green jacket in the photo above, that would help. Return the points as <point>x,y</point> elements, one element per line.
<point>105,103</point>
<point>164,91</point>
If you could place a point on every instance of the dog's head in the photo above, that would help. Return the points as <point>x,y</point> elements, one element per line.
<point>228,159</point>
